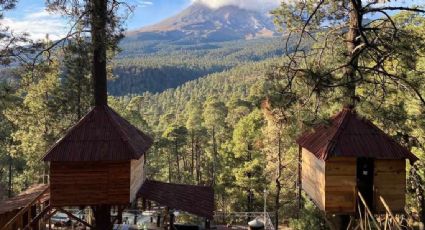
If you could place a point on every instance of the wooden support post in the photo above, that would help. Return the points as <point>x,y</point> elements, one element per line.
<point>135,218</point>
<point>207,224</point>
<point>50,221</point>
<point>158,220</point>
<point>102,216</point>
<point>119,215</point>
<point>171,221</point>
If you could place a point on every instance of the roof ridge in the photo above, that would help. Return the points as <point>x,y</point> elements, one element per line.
<point>345,113</point>
<point>119,127</point>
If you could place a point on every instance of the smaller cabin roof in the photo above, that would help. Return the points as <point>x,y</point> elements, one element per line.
<point>101,135</point>
<point>352,136</point>
<point>23,199</point>
<point>198,200</point>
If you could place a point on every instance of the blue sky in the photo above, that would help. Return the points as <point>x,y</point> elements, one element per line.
<point>30,16</point>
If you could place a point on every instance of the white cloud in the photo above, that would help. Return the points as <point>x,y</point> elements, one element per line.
<point>38,24</point>
<point>143,3</point>
<point>257,5</point>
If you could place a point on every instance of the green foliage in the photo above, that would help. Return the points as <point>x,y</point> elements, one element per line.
<point>310,218</point>
<point>154,66</point>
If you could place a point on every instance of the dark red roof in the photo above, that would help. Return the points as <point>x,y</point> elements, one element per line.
<point>24,198</point>
<point>198,200</point>
<point>101,135</point>
<point>354,136</point>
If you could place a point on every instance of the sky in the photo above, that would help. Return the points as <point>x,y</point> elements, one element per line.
<point>30,15</point>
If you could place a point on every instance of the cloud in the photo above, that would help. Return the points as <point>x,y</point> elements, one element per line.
<point>257,5</point>
<point>143,3</point>
<point>38,24</point>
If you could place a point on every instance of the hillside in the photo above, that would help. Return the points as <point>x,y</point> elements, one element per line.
<point>194,43</point>
<point>155,66</point>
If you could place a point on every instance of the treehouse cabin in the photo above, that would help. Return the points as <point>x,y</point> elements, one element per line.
<point>99,161</point>
<point>352,155</point>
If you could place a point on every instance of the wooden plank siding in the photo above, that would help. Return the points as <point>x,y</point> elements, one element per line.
<point>313,177</point>
<point>89,183</point>
<point>137,177</point>
<point>340,185</point>
<point>390,183</point>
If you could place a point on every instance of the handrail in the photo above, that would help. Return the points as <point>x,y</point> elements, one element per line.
<point>8,225</point>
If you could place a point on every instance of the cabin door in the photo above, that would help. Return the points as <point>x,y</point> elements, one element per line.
<point>365,170</point>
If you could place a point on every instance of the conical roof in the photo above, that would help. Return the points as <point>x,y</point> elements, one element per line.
<point>101,135</point>
<point>352,136</point>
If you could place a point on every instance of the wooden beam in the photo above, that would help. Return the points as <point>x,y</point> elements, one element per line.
<point>51,214</point>
<point>75,218</point>
<point>390,212</point>
<point>368,212</point>
<point>38,217</point>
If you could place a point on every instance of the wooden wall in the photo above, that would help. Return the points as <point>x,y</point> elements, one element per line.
<point>137,177</point>
<point>341,185</point>
<point>313,178</point>
<point>390,183</point>
<point>332,185</point>
<point>89,183</point>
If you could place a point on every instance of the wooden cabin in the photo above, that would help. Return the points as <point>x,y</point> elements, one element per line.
<point>350,155</point>
<point>99,161</point>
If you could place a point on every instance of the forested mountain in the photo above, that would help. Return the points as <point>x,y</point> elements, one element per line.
<point>155,66</point>
<point>197,42</point>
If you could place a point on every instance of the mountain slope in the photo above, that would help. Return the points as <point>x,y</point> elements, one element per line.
<point>203,24</point>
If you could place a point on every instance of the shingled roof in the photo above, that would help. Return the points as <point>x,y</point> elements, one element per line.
<point>353,136</point>
<point>198,200</point>
<point>101,135</point>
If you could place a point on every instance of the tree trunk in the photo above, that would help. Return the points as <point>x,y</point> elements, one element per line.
<point>79,93</point>
<point>10,178</point>
<point>102,215</point>
<point>278,184</point>
<point>99,17</point>
<point>198,162</point>
<point>169,167</point>
<point>177,161</point>
<point>192,166</point>
<point>214,157</point>
<point>353,41</point>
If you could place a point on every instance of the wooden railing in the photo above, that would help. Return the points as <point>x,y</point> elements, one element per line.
<point>27,217</point>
